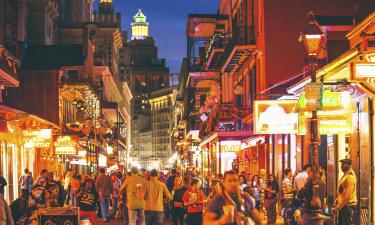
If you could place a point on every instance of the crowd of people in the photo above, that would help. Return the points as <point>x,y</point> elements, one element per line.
<point>151,197</point>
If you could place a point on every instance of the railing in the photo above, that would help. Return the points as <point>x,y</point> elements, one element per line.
<point>195,64</point>
<point>241,36</point>
<point>8,62</point>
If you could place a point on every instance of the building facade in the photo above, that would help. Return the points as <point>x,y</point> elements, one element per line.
<point>162,109</point>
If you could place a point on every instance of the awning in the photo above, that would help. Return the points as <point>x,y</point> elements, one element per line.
<point>27,120</point>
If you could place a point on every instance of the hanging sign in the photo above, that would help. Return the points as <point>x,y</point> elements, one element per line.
<point>314,96</point>
<point>37,138</point>
<point>66,145</point>
<point>334,118</point>
<point>364,70</point>
<point>275,117</point>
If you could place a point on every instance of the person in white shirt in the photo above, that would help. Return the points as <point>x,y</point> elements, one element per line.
<point>301,179</point>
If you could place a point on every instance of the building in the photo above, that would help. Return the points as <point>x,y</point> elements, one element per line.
<point>144,71</point>
<point>162,111</point>
<point>234,59</point>
<point>75,11</point>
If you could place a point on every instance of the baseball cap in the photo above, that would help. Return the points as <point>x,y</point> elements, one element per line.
<point>349,161</point>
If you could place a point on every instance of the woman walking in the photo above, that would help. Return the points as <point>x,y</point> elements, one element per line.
<point>194,199</point>
<point>178,210</point>
<point>255,190</point>
<point>271,199</point>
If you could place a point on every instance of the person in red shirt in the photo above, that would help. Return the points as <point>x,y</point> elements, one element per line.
<point>194,199</point>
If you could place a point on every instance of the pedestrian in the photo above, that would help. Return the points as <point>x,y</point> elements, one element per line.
<point>31,181</point>
<point>5,212</point>
<point>301,179</point>
<point>288,192</point>
<point>243,182</point>
<point>230,207</point>
<point>134,188</point>
<point>154,204</point>
<point>270,193</point>
<point>255,190</point>
<point>171,178</point>
<point>215,189</point>
<point>87,198</point>
<point>116,182</point>
<point>23,181</point>
<point>43,175</point>
<point>346,200</point>
<point>104,188</point>
<point>263,184</point>
<point>55,197</point>
<point>194,200</point>
<point>66,183</point>
<point>178,209</point>
<point>74,188</point>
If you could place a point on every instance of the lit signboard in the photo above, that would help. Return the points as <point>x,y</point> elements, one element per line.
<point>364,70</point>
<point>330,100</point>
<point>37,138</point>
<point>102,160</point>
<point>275,117</point>
<point>66,145</point>
<point>335,117</point>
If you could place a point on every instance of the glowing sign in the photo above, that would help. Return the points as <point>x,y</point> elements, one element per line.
<point>331,100</point>
<point>229,146</point>
<point>328,124</point>
<point>364,70</point>
<point>334,118</point>
<point>37,138</point>
<point>102,160</point>
<point>313,96</point>
<point>66,145</point>
<point>275,117</point>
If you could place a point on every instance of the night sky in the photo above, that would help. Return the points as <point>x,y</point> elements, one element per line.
<point>167,20</point>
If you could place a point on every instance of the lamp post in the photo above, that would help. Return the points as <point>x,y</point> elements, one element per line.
<point>312,38</point>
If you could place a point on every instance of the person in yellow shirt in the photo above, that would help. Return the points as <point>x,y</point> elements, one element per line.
<point>346,194</point>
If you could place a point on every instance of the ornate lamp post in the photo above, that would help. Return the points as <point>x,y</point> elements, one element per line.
<point>312,39</point>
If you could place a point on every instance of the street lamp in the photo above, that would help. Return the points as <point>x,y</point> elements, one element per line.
<point>312,39</point>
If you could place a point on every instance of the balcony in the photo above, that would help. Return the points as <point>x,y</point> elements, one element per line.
<point>196,64</point>
<point>239,48</point>
<point>215,51</point>
<point>8,68</point>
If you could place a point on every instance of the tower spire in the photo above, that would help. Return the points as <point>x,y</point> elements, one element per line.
<point>139,26</point>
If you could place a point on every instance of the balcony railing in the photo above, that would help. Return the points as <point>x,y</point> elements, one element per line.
<point>241,36</point>
<point>196,64</point>
<point>8,63</point>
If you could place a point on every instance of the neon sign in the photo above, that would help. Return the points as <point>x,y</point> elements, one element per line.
<point>65,145</point>
<point>275,117</point>
<point>37,138</point>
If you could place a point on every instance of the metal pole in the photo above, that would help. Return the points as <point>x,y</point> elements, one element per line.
<point>315,212</point>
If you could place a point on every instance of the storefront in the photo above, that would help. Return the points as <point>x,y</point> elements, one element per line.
<point>354,72</point>
<point>25,143</point>
<point>221,151</point>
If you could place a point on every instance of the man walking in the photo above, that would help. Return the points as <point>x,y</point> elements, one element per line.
<point>134,186</point>
<point>301,179</point>
<point>24,182</point>
<point>104,189</point>
<point>154,192</point>
<point>287,191</point>
<point>346,194</point>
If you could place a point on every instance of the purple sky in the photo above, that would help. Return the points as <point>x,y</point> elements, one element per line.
<point>167,20</point>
